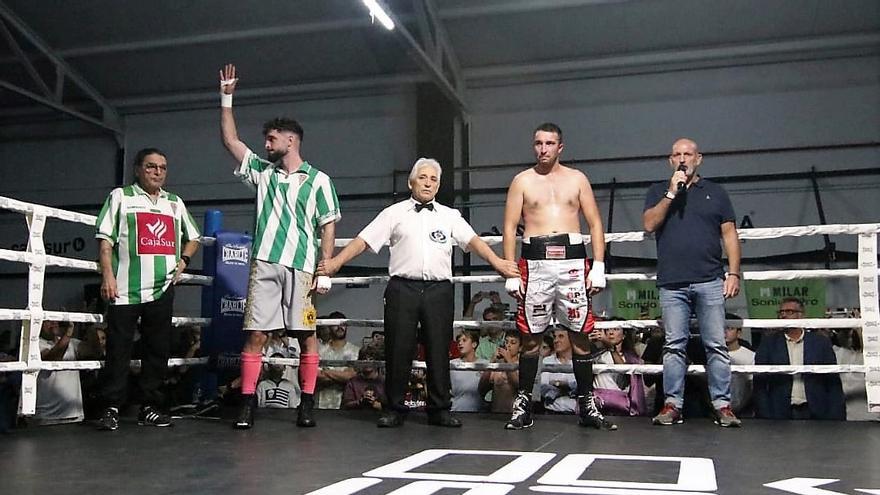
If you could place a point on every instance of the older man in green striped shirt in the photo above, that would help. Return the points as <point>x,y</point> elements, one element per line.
<point>294,201</point>
<point>146,238</point>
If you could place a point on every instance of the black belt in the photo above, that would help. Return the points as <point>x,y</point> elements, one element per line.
<point>552,247</point>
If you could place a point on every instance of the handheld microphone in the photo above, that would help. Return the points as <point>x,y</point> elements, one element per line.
<point>680,186</point>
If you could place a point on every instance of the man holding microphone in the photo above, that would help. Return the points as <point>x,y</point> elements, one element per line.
<point>691,218</point>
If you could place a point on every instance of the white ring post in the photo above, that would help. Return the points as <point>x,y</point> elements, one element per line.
<point>30,329</point>
<point>868,303</point>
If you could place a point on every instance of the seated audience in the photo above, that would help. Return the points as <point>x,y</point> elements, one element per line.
<point>279,343</point>
<point>274,391</point>
<point>92,348</point>
<point>557,388</point>
<point>465,383</point>
<point>416,396</point>
<point>740,355</point>
<point>367,389</point>
<point>618,393</point>
<point>59,394</point>
<point>10,384</point>
<point>332,380</point>
<point>490,338</point>
<point>848,350</point>
<point>503,384</point>
<point>800,396</point>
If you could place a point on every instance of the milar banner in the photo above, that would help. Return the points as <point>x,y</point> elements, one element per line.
<point>764,296</point>
<point>635,300</point>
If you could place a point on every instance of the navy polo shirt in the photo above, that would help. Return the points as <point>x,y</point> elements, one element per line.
<point>689,240</point>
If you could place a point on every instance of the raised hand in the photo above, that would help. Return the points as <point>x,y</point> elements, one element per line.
<point>228,79</point>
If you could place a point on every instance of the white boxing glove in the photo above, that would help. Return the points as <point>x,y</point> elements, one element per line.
<point>512,286</point>
<point>324,284</point>
<point>597,275</point>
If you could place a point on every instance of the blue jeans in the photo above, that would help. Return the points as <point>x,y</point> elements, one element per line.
<point>706,299</point>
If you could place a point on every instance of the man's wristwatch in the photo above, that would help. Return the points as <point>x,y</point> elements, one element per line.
<point>185,259</point>
<point>669,195</point>
<point>732,274</point>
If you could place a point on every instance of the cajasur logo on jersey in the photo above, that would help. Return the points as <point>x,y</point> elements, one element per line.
<point>155,234</point>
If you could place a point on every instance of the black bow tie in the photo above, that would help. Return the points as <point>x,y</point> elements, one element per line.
<point>428,206</point>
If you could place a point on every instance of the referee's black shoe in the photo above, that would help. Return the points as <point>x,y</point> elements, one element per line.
<point>443,418</point>
<point>245,419</point>
<point>390,419</point>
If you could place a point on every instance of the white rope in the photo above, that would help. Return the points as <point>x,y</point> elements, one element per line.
<point>628,369</point>
<point>510,325</point>
<point>203,280</point>
<point>750,275</point>
<point>93,365</point>
<point>753,233</point>
<point>28,208</point>
<point>23,314</point>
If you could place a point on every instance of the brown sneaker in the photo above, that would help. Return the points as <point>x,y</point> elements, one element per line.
<point>669,415</point>
<point>724,417</point>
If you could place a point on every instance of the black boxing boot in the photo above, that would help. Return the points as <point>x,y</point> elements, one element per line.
<point>304,417</point>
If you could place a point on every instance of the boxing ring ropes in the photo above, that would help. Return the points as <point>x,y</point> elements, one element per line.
<point>866,272</point>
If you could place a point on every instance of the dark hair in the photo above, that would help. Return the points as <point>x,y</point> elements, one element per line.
<point>513,334</point>
<point>499,312</point>
<point>550,127</point>
<point>283,124</point>
<point>372,352</point>
<point>474,335</point>
<point>141,154</point>
<point>732,316</point>
<point>792,300</point>
<point>628,343</point>
<point>336,315</point>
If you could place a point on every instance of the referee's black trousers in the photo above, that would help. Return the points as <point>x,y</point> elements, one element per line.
<point>408,304</point>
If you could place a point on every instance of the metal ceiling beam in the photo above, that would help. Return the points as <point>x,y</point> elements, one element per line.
<point>57,106</point>
<point>803,49</point>
<point>222,37</point>
<point>109,119</point>
<point>441,39</point>
<point>849,45</point>
<point>442,66</point>
<point>480,9</point>
<point>477,10</point>
<point>22,57</point>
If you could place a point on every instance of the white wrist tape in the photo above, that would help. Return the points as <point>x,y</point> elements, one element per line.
<point>225,100</point>
<point>597,275</point>
<point>324,282</point>
<point>511,285</point>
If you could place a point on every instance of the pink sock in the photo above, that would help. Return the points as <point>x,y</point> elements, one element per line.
<point>308,372</point>
<point>251,364</point>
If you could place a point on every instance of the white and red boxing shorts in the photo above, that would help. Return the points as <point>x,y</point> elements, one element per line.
<point>553,277</point>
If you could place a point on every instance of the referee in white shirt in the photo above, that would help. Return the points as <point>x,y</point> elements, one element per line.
<point>420,234</point>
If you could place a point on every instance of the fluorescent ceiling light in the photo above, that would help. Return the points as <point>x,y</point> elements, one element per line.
<point>376,12</point>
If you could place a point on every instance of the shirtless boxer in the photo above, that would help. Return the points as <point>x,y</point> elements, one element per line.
<point>555,276</point>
